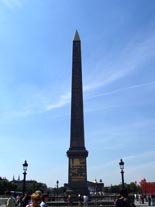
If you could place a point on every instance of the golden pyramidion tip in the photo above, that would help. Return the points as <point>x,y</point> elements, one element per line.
<point>76,37</point>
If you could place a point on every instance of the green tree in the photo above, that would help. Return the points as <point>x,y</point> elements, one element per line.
<point>5,185</point>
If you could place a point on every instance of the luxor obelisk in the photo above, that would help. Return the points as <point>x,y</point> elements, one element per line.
<point>77,153</point>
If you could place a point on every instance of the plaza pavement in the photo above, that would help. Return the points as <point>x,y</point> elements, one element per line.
<point>138,204</point>
<point>3,204</point>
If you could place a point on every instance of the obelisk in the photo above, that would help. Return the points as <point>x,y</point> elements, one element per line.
<point>77,153</point>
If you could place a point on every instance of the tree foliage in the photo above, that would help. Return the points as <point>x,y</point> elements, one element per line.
<point>147,187</point>
<point>132,188</point>
<point>5,185</point>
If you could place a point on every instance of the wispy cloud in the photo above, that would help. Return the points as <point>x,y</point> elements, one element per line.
<point>136,168</point>
<point>134,55</point>
<point>130,59</point>
<point>125,62</point>
<point>39,104</point>
<point>11,4</point>
<point>64,99</point>
<point>140,159</point>
<point>123,89</point>
<point>16,113</point>
<point>145,155</point>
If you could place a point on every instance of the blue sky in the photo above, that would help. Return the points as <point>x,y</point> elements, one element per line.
<point>118,59</point>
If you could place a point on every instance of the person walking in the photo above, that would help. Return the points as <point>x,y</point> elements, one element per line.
<point>25,200</point>
<point>85,200</point>
<point>79,200</point>
<point>10,201</point>
<point>123,200</point>
<point>35,200</point>
<point>45,198</point>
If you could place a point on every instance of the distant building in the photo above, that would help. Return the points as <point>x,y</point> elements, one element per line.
<point>95,188</point>
<point>30,184</point>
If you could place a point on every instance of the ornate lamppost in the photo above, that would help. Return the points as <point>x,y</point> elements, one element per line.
<point>101,186</point>
<point>121,164</point>
<point>95,183</point>
<point>144,180</point>
<point>25,165</point>
<point>57,182</point>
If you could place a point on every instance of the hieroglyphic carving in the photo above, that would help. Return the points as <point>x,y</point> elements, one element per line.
<point>77,169</point>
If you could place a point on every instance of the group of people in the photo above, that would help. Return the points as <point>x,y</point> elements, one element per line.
<point>143,198</point>
<point>123,200</point>
<point>83,199</point>
<point>37,199</point>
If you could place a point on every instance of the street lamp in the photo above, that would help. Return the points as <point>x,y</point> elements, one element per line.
<point>144,180</point>
<point>101,186</point>
<point>57,182</point>
<point>25,165</point>
<point>95,182</point>
<point>121,164</point>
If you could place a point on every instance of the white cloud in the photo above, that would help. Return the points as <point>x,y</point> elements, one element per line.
<point>129,60</point>
<point>11,114</point>
<point>11,4</point>
<point>123,89</point>
<point>132,56</point>
<point>145,155</point>
<point>136,168</point>
<point>125,62</point>
<point>64,99</point>
<point>137,160</point>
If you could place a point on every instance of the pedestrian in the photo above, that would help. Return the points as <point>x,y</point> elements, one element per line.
<point>39,192</point>
<point>142,198</point>
<point>149,200</point>
<point>25,200</point>
<point>11,200</point>
<point>85,200</point>
<point>79,200</point>
<point>69,200</point>
<point>123,200</point>
<point>35,200</point>
<point>153,199</point>
<point>45,198</point>
<point>18,201</point>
